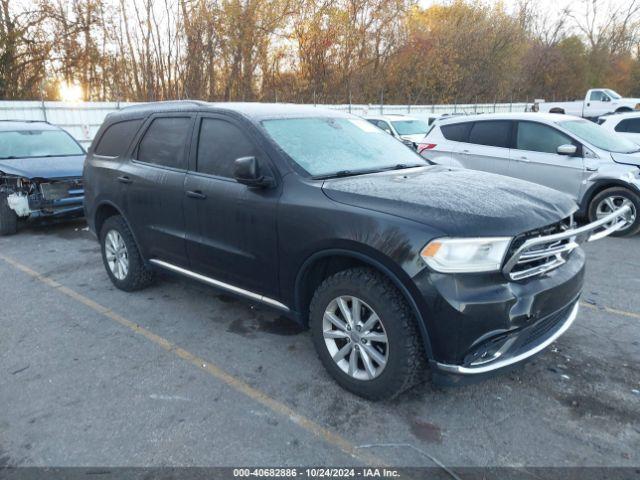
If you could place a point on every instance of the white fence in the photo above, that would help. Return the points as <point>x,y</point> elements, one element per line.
<point>82,120</point>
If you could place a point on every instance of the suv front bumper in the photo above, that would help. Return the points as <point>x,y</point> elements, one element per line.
<point>482,323</point>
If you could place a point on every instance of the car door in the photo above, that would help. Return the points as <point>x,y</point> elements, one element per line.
<point>536,160</point>
<point>231,228</point>
<point>598,104</point>
<point>488,148</point>
<point>153,185</point>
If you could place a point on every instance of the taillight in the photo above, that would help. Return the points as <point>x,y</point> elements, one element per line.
<point>426,146</point>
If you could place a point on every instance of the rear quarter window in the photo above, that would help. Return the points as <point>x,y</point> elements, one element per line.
<point>457,132</point>
<point>116,138</point>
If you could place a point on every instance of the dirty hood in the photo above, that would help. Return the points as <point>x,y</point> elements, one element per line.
<point>627,158</point>
<point>457,202</point>
<point>44,167</point>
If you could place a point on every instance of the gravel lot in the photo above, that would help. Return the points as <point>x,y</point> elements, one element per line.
<point>180,374</point>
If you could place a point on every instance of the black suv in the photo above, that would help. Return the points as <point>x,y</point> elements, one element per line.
<point>391,262</point>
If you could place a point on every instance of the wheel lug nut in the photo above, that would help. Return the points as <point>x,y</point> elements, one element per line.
<point>358,328</point>
<point>349,327</point>
<point>364,340</point>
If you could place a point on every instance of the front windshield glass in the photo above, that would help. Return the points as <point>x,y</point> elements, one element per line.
<point>326,146</point>
<point>410,127</point>
<point>599,137</point>
<point>37,143</point>
<point>613,94</point>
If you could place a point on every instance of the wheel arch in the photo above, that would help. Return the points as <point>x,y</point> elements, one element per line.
<point>322,264</point>
<point>107,209</point>
<point>600,186</point>
<point>624,109</point>
<point>557,110</point>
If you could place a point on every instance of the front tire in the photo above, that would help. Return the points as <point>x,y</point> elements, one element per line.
<point>610,199</point>
<point>121,256</point>
<point>366,335</point>
<point>8,218</point>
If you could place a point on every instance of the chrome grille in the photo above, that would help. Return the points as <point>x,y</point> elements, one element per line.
<point>539,252</point>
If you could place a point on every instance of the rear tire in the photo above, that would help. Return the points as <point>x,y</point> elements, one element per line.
<point>8,218</point>
<point>386,368</point>
<point>616,196</point>
<point>121,256</point>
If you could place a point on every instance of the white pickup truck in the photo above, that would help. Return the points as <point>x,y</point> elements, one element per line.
<point>597,102</point>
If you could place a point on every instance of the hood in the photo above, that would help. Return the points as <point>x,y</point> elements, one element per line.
<point>413,138</point>
<point>47,167</point>
<point>627,158</point>
<point>457,202</point>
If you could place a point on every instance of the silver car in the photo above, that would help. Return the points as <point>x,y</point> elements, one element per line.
<point>599,169</point>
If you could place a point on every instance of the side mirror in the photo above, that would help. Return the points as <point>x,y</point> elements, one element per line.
<point>569,150</point>
<point>410,144</point>
<point>246,170</point>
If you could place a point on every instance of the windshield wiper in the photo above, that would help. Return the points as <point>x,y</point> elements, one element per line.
<point>352,173</point>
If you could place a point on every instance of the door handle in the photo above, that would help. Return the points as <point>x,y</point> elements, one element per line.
<point>465,151</point>
<point>523,159</point>
<point>125,179</point>
<point>196,194</point>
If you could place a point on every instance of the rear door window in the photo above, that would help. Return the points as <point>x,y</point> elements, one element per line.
<point>536,137</point>
<point>457,132</point>
<point>117,137</point>
<point>220,143</point>
<point>491,133</point>
<point>165,141</point>
<point>631,125</point>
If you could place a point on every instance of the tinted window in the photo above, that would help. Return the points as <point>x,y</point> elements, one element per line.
<point>491,133</point>
<point>631,125</point>
<point>458,132</point>
<point>597,96</point>
<point>536,137</point>
<point>221,143</point>
<point>164,141</point>
<point>117,137</point>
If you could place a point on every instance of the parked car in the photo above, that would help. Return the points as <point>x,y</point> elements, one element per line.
<point>625,124</point>
<point>597,102</point>
<point>595,167</point>
<point>324,217</point>
<point>407,129</point>
<point>40,173</point>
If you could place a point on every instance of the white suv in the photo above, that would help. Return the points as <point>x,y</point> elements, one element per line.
<point>599,169</point>
<point>625,124</point>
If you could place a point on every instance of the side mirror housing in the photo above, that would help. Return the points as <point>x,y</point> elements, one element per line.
<point>246,170</point>
<point>569,150</point>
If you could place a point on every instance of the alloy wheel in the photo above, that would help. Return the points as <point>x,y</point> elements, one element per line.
<point>609,204</point>
<point>355,337</point>
<point>116,254</point>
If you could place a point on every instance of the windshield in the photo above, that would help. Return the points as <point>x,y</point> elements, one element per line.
<point>326,146</point>
<point>613,94</point>
<point>37,143</point>
<point>599,137</point>
<point>410,127</point>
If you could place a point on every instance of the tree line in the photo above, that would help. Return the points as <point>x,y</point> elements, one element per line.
<point>316,51</point>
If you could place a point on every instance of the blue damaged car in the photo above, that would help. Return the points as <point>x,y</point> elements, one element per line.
<point>40,173</point>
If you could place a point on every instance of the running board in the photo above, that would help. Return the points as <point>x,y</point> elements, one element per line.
<point>217,283</point>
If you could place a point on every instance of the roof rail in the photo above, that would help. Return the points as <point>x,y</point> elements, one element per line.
<point>165,102</point>
<point>24,120</point>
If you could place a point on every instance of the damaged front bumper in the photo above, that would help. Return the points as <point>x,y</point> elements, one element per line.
<point>490,322</point>
<point>34,198</point>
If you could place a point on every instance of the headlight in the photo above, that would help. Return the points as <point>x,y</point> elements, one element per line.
<point>451,255</point>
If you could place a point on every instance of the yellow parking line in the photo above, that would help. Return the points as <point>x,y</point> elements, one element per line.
<point>615,311</point>
<point>237,384</point>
